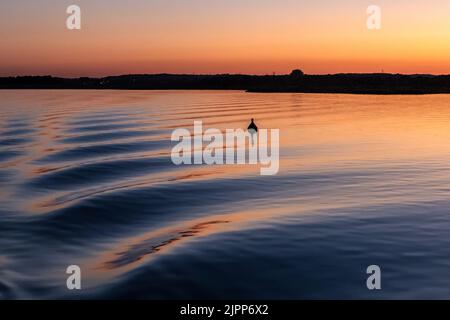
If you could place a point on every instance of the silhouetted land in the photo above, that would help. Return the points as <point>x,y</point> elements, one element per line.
<point>379,83</point>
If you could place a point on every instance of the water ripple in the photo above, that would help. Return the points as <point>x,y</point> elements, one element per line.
<point>86,178</point>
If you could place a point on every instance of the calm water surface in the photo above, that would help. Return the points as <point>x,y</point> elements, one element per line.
<point>86,179</point>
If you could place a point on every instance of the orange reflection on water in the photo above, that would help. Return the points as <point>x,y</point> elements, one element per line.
<point>317,131</point>
<point>130,252</point>
<point>359,150</point>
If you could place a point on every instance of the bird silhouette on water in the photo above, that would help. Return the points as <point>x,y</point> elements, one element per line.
<point>252,126</point>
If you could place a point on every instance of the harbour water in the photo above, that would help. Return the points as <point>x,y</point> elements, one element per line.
<point>86,179</point>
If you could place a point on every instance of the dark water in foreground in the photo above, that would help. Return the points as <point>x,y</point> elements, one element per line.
<point>86,179</point>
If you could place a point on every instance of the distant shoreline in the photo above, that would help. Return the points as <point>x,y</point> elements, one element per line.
<point>355,83</point>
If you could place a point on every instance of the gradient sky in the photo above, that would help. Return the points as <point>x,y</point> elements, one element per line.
<point>223,36</point>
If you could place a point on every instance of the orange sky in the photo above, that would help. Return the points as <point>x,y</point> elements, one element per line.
<point>223,36</point>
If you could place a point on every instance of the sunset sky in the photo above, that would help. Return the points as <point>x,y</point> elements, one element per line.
<point>223,36</point>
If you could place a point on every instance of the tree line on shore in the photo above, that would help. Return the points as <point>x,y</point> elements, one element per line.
<point>297,81</point>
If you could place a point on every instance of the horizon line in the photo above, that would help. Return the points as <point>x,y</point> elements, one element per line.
<point>224,74</point>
